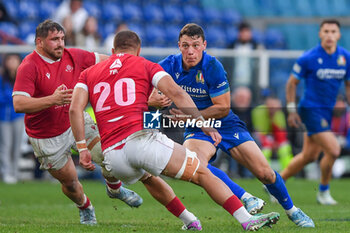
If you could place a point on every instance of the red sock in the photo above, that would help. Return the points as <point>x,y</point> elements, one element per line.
<point>114,185</point>
<point>175,207</point>
<point>85,205</point>
<point>232,204</point>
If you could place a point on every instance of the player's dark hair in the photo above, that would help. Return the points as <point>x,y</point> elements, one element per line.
<point>192,30</point>
<point>42,30</point>
<point>125,40</point>
<point>244,25</point>
<point>330,21</point>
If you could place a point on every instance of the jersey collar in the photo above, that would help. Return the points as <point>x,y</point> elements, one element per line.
<point>46,59</point>
<point>325,53</point>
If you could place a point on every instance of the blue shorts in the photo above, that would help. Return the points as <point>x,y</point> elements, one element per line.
<point>230,137</point>
<point>316,120</point>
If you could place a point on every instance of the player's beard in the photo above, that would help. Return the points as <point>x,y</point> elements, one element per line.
<point>54,54</point>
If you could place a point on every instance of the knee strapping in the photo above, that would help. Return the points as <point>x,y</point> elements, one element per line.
<point>189,166</point>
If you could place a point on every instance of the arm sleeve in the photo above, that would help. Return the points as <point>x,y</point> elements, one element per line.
<point>300,68</point>
<point>84,58</point>
<point>155,72</point>
<point>217,79</point>
<point>82,81</point>
<point>25,80</point>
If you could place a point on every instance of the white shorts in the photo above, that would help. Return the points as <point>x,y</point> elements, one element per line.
<point>145,150</point>
<point>53,153</point>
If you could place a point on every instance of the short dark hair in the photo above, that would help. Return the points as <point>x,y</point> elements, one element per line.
<point>244,25</point>
<point>330,21</point>
<point>42,30</point>
<point>192,30</point>
<point>125,40</point>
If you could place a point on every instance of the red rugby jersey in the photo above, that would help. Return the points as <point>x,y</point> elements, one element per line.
<point>38,76</point>
<point>118,92</point>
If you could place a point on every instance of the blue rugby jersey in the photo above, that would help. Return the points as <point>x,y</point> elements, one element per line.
<point>322,74</point>
<point>202,82</point>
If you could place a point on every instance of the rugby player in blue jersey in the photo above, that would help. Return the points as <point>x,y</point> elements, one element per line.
<point>323,69</point>
<point>204,79</point>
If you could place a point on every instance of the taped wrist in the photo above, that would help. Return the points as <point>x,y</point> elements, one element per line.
<point>81,145</point>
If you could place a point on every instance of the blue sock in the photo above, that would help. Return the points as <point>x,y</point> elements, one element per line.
<point>279,191</point>
<point>235,188</point>
<point>323,188</point>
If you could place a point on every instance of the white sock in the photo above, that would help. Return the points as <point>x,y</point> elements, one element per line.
<point>291,210</point>
<point>246,195</point>
<point>242,215</point>
<point>187,217</point>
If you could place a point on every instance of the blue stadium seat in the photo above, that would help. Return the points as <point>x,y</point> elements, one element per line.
<point>107,28</point>
<point>12,8</point>
<point>267,8</point>
<point>47,9</point>
<point>248,8</point>
<point>153,13</point>
<point>28,10</point>
<point>344,40</point>
<point>172,34</point>
<point>173,13</point>
<point>132,12</point>
<point>294,36</point>
<point>216,37</point>
<point>274,39</point>
<point>304,8</point>
<point>112,11</point>
<point>26,28</point>
<point>213,15</point>
<point>93,8</point>
<point>258,36</point>
<point>139,29</point>
<point>285,8</point>
<point>231,17</point>
<point>192,14</point>
<point>9,28</point>
<point>340,7</point>
<point>310,32</point>
<point>231,33</point>
<point>155,35</point>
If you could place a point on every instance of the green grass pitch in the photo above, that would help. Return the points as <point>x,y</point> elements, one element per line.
<point>41,207</point>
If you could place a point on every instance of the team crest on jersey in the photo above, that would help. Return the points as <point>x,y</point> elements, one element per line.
<point>199,77</point>
<point>341,60</point>
<point>69,68</point>
<point>320,60</point>
<point>324,123</point>
<point>116,64</point>
<point>48,75</point>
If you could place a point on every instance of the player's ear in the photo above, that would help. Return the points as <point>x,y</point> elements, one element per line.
<point>205,44</point>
